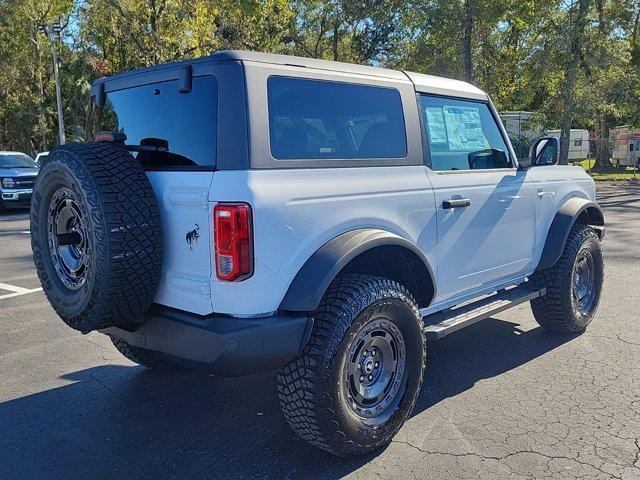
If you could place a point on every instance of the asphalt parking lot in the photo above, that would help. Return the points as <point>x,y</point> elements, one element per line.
<point>502,399</point>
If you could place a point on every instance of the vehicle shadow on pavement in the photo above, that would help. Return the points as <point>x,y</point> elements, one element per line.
<point>484,350</point>
<point>15,214</point>
<point>623,195</point>
<point>115,421</point>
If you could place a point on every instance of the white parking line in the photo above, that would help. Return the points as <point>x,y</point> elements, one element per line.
<point>16,291</point>
<point>14,232</point>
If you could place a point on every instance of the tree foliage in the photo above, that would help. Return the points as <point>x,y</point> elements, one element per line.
<point>574,62</point>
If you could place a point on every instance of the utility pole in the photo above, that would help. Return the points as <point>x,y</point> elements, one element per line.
<point>53,33</point>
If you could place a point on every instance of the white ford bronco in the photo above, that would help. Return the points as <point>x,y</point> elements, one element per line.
<point>247,211</point>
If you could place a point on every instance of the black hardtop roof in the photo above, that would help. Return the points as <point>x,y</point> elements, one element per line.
<point>269,58</point>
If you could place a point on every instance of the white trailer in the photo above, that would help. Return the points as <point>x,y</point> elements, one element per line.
<point>578,143</point>
<point>625,146</point>
<point>521,124</point>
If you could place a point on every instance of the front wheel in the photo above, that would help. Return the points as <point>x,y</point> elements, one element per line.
<point>359,376</point>
<point>573,284</point>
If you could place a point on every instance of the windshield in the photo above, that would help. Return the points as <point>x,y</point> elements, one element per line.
<point>16,160</point>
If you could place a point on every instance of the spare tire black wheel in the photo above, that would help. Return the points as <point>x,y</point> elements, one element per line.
<point>96,236</point>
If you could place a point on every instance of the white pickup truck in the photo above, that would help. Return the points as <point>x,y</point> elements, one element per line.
<point>248,211</point>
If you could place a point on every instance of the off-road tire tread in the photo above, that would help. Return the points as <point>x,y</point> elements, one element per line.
<point>305,404</point>
<point>554,310</point>
<point>128,235</point>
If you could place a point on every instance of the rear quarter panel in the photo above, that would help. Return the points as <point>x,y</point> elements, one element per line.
<point>297,211</point>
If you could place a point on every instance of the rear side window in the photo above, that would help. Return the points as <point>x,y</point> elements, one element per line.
<point>462,135</point>
<point>158,114</point>
<point>312,119</point>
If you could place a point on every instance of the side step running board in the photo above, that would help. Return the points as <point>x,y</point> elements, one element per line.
<point>441,324</point>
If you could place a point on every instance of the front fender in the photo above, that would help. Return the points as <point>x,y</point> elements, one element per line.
<point>563,222</point>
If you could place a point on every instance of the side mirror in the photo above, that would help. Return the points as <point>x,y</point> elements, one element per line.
<point>546,151</point>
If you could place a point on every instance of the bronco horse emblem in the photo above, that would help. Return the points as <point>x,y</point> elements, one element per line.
<point>192,236</point>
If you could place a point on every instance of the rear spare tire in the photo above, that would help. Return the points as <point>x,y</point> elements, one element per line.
<point>96,236</point>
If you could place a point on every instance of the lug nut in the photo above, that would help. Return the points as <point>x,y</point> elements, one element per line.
<point>370,377</point>
<point>373,352</point>
<point>362,378</point>
<point>377,365</point>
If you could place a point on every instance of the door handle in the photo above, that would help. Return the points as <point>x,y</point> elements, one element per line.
<point>456,203</point>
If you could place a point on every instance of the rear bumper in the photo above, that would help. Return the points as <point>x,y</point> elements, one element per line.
<point>225,345</point>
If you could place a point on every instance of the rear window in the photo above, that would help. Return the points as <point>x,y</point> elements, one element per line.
<point>312,119</point>
<point>185,121</point>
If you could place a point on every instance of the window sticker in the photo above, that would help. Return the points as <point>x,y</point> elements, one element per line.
<point>436,126</point>
<point>464,128</point>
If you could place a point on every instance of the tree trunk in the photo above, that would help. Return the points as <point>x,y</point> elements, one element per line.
<point>336,40</point>
<point>603,152</point>
<point>568,105</point>
<point>568,94</point>
<point>467,42</point>
<point>634,47</point>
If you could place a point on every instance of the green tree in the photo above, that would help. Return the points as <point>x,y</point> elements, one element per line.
<point>574,62</point>
<point>124,34</point>
<point>27,98</point>
<point>360,31</point>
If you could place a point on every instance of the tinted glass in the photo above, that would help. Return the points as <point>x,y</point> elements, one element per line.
<point>312,119</point>
<point>462,135</point>
<point>16,160</point>
<point>187,121</point>
<point>546,154</point>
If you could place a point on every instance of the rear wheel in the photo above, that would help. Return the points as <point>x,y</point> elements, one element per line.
<point>360,374</point>
<point>573,284</point>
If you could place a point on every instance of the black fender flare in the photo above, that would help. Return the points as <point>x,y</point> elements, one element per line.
<point>312,280</point>
<point>566,216</point>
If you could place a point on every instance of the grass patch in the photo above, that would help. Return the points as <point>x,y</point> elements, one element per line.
<point>612,174</point>
<point>615,177</point>
<point>587,164</point>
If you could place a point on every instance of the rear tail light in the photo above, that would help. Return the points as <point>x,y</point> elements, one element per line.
<point>233,241</point>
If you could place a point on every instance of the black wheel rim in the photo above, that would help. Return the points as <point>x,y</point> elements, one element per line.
<point>67,238</point>
<point>374,373</point>
<point>584,282</point>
